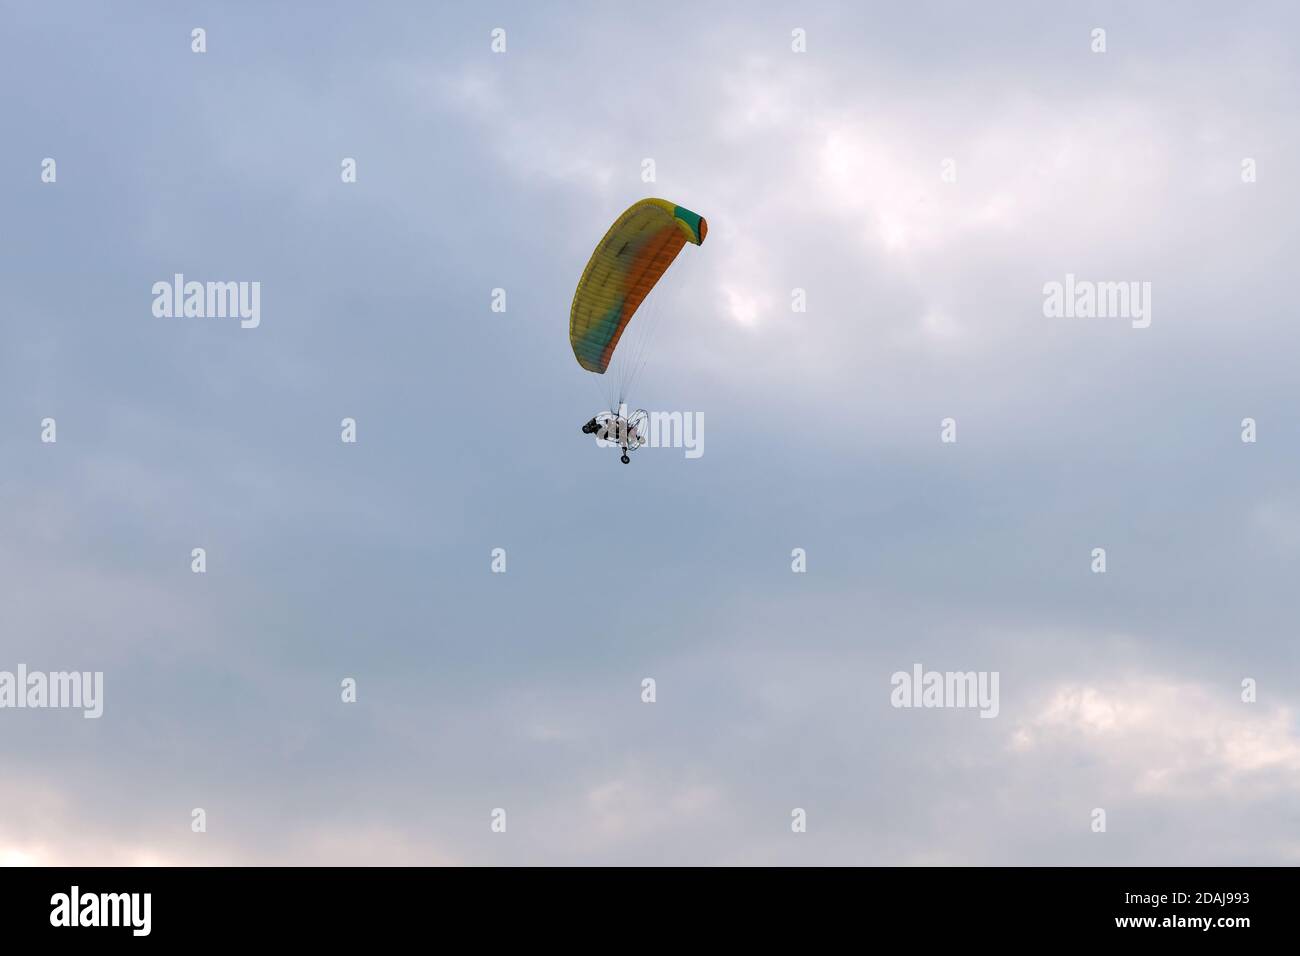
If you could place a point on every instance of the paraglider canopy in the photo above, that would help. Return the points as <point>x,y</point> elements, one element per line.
<point>635,253</point>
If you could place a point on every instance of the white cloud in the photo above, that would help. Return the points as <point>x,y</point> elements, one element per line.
<point>637,804</point>
<point>1175,739</point>
<point>43,825</point>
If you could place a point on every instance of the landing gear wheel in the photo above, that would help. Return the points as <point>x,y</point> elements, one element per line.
<point>625,460</point>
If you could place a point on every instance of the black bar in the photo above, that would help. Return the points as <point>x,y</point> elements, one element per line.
<point>929,905</point>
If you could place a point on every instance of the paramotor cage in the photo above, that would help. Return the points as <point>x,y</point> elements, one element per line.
<point>629,433</point>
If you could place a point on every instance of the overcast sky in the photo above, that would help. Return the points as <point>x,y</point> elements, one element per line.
<point>821,170</point>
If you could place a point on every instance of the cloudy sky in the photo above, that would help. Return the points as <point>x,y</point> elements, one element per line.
<point>821,170</point>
